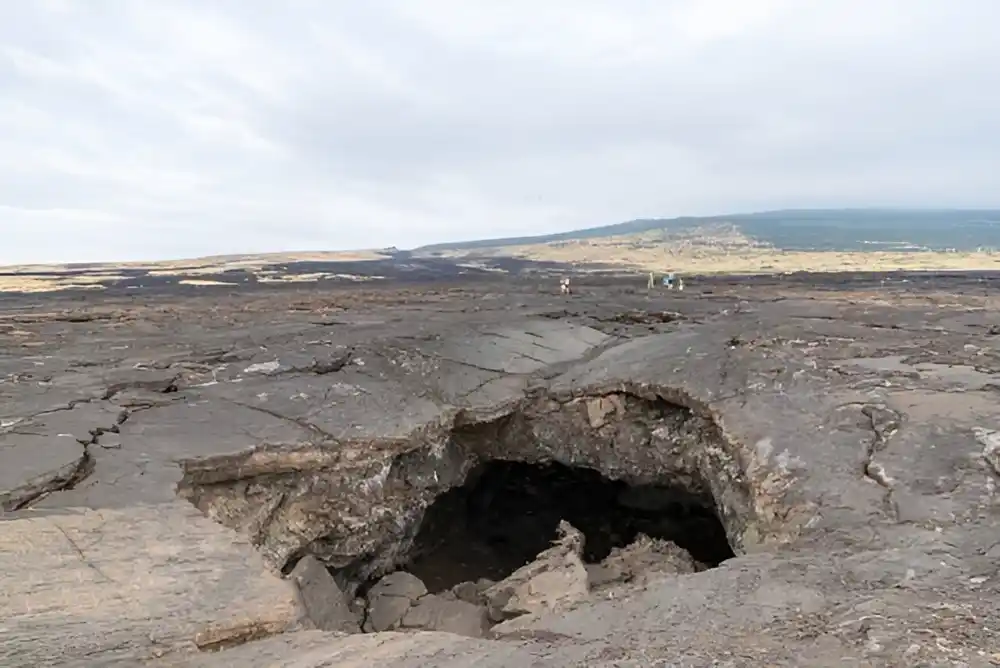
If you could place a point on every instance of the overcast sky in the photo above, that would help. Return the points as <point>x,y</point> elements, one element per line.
<point>171,128</point>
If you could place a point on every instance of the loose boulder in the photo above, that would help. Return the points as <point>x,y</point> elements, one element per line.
<point>326,607</point>
<point>390,598</point>
<point>639,561</point>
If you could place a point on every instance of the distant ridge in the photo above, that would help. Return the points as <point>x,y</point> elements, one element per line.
<point>804,229</point>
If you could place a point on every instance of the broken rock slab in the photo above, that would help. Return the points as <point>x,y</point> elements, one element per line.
<point>390,598</point>
<point>131,585</point>
<point>555,580</point>
<point>325,605</point>
<point>400,601</point>
<point>32,466</point>
<point>139,463</point>
<point>472,592</point>
<point>47,452</point>
<point>436,613</point>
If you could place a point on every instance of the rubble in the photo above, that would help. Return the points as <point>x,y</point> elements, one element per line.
<point>401,601</point>
<point>555,580</point>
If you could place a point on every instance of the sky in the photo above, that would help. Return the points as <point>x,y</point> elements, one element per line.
<point>142,129</point>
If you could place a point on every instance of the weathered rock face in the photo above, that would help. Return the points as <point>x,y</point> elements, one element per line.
<point>400,601</point>
<point>362,503</point>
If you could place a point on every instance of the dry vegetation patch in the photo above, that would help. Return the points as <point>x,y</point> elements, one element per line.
<point>708,258</point>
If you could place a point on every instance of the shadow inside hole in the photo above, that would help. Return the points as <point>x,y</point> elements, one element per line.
<point>507,512</point>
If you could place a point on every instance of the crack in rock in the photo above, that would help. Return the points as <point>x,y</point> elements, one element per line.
<point>884,423</point>
<point>990,440</point>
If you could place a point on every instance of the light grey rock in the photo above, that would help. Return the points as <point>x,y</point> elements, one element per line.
<point>472,592</point>
<point>385,613</point>
<point>400,584</point>
<point>390,598</point>
<point>434,613</point>
<point>324,602</point>
<point>33,466</point>
<point>110,441</point>
<point>129,585</point>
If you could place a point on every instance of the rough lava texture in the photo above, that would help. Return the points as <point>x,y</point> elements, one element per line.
<point>228,479</point>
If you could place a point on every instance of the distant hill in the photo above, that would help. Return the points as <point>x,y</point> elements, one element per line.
<point>844,230</point>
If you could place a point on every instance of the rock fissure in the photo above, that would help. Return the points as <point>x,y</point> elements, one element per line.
<point>884,423</point>
<point>305,424</point>
<point>82,464</point>
<point>60,480</point>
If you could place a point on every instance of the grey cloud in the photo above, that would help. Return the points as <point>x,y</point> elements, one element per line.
<point>190,128</point>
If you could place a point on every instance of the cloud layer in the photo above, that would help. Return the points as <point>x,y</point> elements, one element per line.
<point>140,130</point>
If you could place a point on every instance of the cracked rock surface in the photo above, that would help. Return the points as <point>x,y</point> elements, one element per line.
<point>173,472</point>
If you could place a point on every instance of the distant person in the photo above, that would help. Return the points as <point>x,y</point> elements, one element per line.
<point>564,286</point>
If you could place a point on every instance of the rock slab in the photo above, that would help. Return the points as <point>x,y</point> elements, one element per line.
<point>132,585</point>
<point>325,605</point>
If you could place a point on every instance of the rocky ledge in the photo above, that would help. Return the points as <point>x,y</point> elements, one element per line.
<point>498,475</point>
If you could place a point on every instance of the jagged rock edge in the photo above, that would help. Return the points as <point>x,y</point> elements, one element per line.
<point>44,484</point>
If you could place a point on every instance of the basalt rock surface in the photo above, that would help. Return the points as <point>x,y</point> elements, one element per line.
<point>776,474</point>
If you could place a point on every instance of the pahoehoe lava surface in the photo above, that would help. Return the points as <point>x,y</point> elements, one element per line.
<point>789,472</point>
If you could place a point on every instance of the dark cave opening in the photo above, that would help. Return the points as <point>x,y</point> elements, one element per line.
<point>507,512</point>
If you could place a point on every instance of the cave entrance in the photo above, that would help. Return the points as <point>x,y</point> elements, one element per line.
<point>507,512</point>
